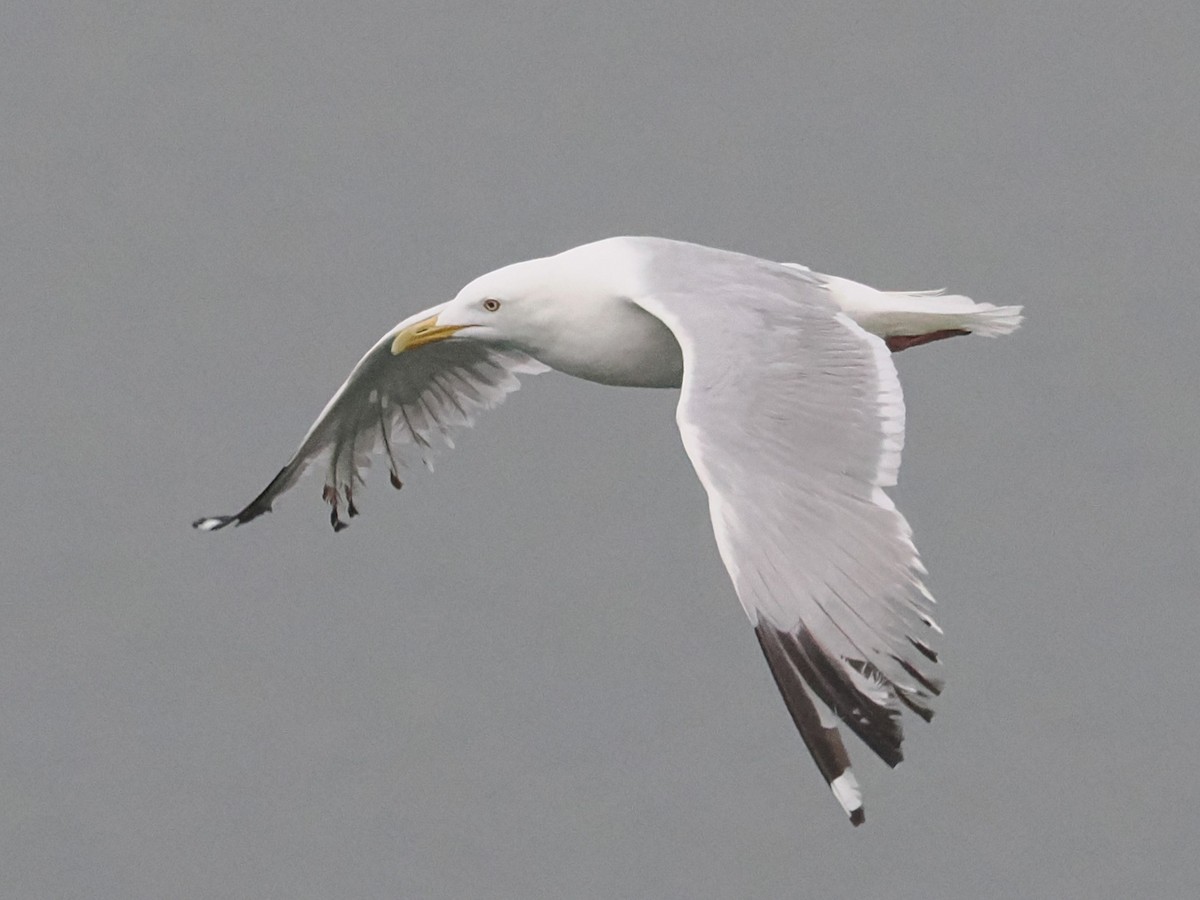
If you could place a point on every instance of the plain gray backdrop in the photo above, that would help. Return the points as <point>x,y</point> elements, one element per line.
<point>527,675</point>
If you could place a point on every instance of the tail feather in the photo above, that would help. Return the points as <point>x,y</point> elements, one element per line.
<point>935,311</point>
<point>896,313</point>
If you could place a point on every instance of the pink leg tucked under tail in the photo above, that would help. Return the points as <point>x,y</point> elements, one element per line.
<point>898,342</point>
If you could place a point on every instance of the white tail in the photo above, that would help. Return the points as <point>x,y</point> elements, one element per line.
<point>895,313</point>
<point>891,313</point>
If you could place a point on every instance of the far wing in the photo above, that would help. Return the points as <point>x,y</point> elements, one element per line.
<point>397,405</point>
<point>793,418</point>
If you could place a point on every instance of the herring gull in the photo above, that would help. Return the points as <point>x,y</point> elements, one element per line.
<point>790,410</point>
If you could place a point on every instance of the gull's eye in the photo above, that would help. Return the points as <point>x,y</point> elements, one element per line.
<point>491,304</point>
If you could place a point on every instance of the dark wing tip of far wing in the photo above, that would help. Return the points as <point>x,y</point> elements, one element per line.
<point>259,505</point>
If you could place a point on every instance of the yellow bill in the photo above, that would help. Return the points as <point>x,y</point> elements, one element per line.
<point>427,331</point>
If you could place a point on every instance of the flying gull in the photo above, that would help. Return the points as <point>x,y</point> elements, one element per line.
<point>790,410</point>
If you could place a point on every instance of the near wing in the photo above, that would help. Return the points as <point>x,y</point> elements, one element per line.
<point>793,418</point>
<point>392,403</point>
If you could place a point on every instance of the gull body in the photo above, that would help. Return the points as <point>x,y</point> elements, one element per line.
<point>790,410</point>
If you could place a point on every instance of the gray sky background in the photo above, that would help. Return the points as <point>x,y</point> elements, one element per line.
<point>527,675</point>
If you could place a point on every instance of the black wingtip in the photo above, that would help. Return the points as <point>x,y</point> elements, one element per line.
<point>259,505</point>
<point>857,817</point>
<point>396,482</point>
<point>928,652</point>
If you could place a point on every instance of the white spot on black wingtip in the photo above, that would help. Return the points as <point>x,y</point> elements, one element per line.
<point>848,794</point>
<point>212,523</point>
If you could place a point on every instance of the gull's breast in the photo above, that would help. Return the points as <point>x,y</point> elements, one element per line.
<point>615,342</point>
